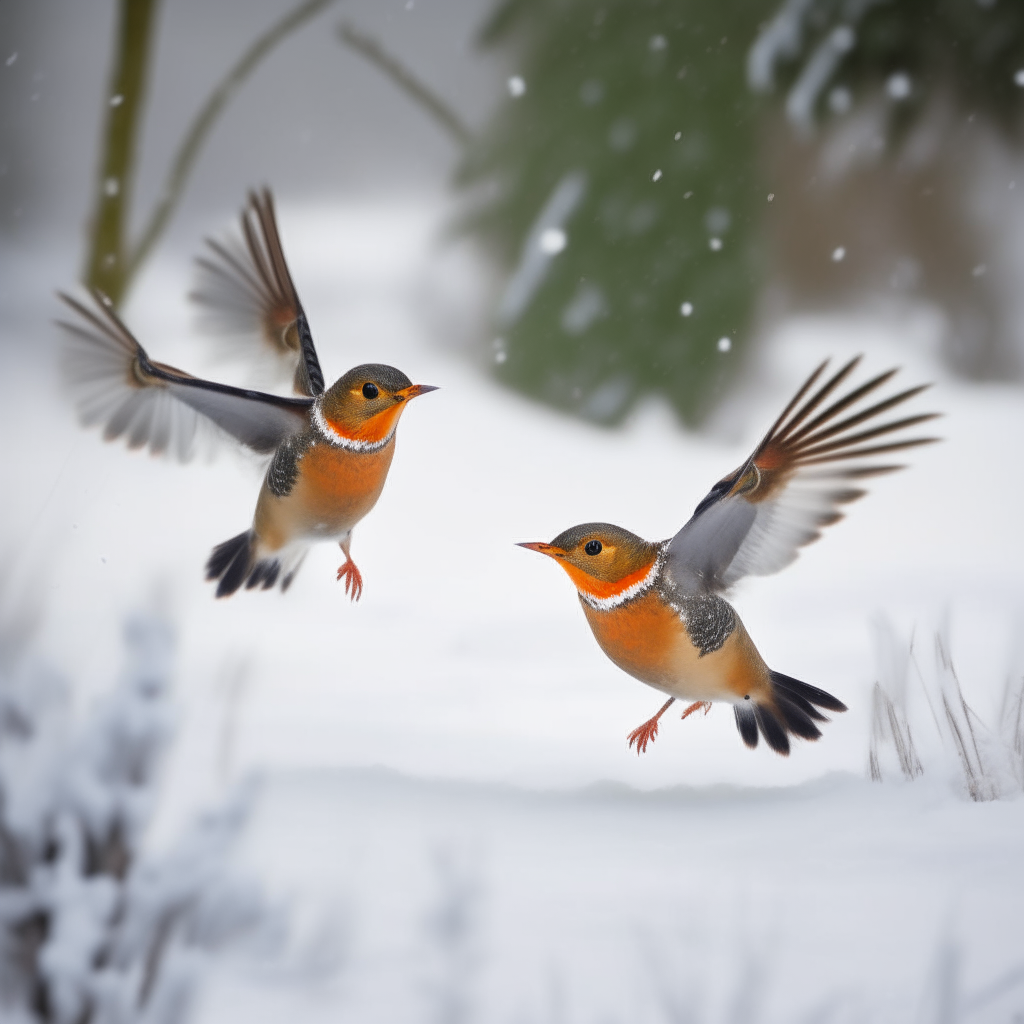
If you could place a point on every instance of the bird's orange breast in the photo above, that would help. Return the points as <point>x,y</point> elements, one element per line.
<point>640,636</point>
<point>335,488</point>
<point>647,638</point>
<point>343,482</point>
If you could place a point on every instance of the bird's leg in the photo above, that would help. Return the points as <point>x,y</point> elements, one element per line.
<point>352,576</point>
<point>645,733</point>
<point>696,706</point>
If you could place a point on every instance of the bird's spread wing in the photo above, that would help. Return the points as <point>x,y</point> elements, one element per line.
<point>150,404</point>
<point>809,464</point>
<point>246,289</point>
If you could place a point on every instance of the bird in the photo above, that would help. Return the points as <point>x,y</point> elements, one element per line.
<point>330,448</point>
<point>658,610</point>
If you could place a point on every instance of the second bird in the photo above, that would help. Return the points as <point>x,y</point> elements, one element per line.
<point>657,609</point>
<point>330,449</point>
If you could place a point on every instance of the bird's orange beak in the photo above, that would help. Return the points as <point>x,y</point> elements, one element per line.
<point>545,549</point>
<point>415,390</point>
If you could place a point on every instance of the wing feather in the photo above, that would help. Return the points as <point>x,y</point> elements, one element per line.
<point>754,521</point>
<point>153,405</point>
<point>786,424</point>
<point>246,290</point>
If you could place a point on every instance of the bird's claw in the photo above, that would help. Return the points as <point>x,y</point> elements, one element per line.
<point>647,732</point>
<point>644,734</point>
<point>353,579</point>
<point>696,706</point>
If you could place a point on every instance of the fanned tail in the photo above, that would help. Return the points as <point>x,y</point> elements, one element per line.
<point>791,709</point>
<point>236,563</point>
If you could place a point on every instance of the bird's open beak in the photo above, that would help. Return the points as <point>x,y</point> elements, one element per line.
<point>415,390</point>
<point>545,549</point>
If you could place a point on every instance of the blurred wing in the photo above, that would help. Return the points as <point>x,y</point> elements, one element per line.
<point>246,288</point>
<point>753,522</point>
<point>154,405</point>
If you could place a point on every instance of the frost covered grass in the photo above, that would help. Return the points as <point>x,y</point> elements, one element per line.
<point>987,759</point>
<point>93,926</point>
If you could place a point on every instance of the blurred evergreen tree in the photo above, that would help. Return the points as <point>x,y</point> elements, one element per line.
<point>901,112</point>
<point>620,189</point>
<point>915,50</point>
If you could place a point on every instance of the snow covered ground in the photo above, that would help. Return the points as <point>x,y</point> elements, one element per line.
<point>834,900</point>
<point>447,782</point>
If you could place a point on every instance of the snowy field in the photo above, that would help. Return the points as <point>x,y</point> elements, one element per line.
<point>833,900</point>
<point>446,789</point>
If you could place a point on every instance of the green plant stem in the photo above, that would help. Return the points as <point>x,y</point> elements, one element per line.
<point>204,121</point>
<point>410,85</point>
<point>105,264</point>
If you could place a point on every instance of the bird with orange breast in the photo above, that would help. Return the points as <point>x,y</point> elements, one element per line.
<point>330,448</point>
<point>657,609</point>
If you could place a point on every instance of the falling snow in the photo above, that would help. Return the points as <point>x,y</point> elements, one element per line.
<point>552,241</point>
<point>898,86</point>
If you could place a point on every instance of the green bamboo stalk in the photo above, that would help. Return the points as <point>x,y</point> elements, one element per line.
<point>105,263</point>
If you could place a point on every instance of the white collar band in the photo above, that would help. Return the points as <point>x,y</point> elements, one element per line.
<point>332,437</point>
<point>605,604</point>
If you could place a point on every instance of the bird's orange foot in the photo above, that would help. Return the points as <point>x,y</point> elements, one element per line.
<point>696,706</point>
<point>353,579</point>
<point>644,734</point>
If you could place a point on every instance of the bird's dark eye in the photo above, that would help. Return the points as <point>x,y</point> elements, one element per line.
<point>370,390</point>
<point>593,547</point>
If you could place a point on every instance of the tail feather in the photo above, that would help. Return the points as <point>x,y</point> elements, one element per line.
<point>230,563</point>
<point>772,729</point>
<point>263,574</point>
<point>809,693</point>
<point>802,703</point>
<point>746,722</point>
<point>234,564</point>
<point>292,570</point>
<point>223,554</point>
<point>796,719</point>
<point>792,708</point>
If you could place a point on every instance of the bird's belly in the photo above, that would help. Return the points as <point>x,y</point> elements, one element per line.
<point>335,488</point>
<point>648,639</point>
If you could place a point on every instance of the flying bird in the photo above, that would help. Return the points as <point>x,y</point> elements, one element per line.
<point>658,610</point>
<point>330,448</point>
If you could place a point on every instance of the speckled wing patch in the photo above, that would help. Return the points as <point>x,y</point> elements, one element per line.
<point>708,619</point>
<point>284,467</point>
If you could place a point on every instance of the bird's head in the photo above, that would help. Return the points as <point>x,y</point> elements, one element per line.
<point>364,404</point>
<point>604,561</point>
